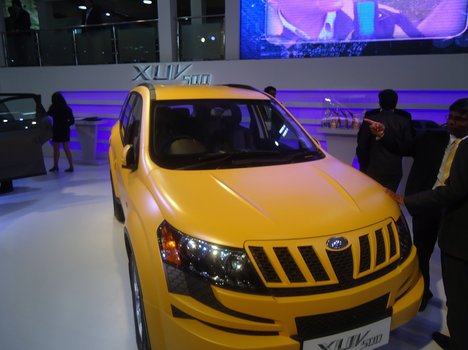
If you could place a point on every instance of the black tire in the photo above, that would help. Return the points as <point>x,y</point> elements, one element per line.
<point>118,210</point>
<point>141,331</point>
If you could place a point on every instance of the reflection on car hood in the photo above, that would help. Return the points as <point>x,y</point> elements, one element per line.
<point>272,202</point>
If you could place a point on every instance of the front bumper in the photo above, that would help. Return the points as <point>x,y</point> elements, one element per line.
<point>232,320</point>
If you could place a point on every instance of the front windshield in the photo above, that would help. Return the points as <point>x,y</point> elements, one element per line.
<point>217,134</point>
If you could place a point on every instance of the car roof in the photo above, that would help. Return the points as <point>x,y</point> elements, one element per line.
<point>195,92</point>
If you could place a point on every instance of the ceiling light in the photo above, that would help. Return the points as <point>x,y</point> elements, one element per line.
<point>82,7</point>
<point>147,2</point>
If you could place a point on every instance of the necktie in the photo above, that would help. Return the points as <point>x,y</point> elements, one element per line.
<point>448,161</point>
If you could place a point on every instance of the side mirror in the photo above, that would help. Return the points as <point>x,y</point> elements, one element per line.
<point>128,157</point>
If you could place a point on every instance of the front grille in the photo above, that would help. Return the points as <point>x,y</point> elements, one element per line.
<point>318,326</point>
<point>308,263</point>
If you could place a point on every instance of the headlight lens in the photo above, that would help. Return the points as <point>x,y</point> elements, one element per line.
<point>405,238</point>
<point>224,266</point>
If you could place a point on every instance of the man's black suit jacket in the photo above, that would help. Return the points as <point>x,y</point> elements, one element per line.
<point>453,233</point>
<point>428,152</point>
<point>376,111</point>
<point>381,159</point>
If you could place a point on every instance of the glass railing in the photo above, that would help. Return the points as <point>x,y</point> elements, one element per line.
<point>199,38</point>
<point>124,42</point>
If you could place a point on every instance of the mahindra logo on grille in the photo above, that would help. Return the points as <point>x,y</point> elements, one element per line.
<point>337,243</point>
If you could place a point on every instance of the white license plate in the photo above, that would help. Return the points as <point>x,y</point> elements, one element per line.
<point>368,337</point>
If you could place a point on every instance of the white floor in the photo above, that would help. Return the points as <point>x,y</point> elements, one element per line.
<point>63,270</point>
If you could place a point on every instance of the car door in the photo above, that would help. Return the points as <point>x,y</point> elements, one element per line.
<point>24,128</point>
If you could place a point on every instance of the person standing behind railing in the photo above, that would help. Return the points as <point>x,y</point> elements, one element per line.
<point>19,20</point>
<point>18,27</point>
<point>9,20</point>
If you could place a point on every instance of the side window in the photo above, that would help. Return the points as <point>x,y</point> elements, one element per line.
<point>125,114</point>
<point>18,113</point>
<point>132,131</point>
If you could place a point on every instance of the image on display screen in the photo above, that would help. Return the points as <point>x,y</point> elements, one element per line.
<point>321,28</point>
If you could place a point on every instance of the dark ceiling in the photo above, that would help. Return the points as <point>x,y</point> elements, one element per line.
<point>130,10</point>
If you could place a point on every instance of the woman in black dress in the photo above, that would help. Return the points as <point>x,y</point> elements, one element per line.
<point>62,117</point>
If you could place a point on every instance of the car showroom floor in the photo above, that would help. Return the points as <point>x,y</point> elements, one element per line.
<point>63,270</point>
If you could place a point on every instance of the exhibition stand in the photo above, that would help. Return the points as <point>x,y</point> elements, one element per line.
<point>87,131</point>
<point>341,143</point>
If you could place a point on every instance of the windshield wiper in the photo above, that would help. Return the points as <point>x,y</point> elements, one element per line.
<point>281,158</point>
<point>251,157</point>
<point>207,159</point>
<point>305,154</point>
<point>233,158</point>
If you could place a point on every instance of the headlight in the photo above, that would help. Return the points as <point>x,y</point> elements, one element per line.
<point>224,266</point>
<point>405,238</point>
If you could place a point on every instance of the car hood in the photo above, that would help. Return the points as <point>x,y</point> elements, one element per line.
<point>302,200</point>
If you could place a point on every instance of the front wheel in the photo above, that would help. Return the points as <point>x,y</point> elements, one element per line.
<point>141,331</point>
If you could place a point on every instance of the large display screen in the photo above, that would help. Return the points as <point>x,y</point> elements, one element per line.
<point>321,28</point>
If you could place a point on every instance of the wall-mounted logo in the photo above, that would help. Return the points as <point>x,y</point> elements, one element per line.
<point>170,72</point>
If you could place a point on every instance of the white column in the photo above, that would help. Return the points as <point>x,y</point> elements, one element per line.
<point>197,9</point>
<point>232,29</point>
<point>167,30</point>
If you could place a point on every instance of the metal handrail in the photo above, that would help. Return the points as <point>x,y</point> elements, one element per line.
<point>38,58</point>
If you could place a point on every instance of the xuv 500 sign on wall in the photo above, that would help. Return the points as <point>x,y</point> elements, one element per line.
<point>170,72</point>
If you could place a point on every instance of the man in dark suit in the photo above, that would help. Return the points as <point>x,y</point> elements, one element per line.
<point>381,157</point>
<point>428,156</point>
<point>271,90</point>
<point>453,231</point>
<point>401,112</point>
<point>20,19</point>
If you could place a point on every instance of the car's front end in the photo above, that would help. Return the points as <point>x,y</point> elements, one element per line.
<point>277,275</point>
<point>252,237</point>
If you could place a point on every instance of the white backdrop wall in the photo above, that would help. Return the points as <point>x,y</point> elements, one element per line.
<point>419,72</point>
<point>427,83</point>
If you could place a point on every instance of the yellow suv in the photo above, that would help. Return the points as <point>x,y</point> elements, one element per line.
<point>243,233</point>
